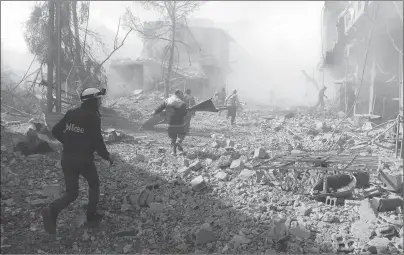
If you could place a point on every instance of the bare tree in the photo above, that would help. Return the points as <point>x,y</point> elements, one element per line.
<point>174,15</point>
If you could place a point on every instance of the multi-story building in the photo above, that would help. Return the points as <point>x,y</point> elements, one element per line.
<point>363,45</point>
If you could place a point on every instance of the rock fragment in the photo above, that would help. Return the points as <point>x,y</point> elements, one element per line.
<point>205,235</point>
<point>260,153</point>
<point>246,174</point>
<point>222,176</point>
<point>198,183</point>
<point>237,165</point>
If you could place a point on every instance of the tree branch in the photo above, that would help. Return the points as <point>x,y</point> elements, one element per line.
<point>117,32</point>
<point>97,69</point>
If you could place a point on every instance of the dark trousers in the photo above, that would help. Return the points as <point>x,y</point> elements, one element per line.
<point>176,134</point>
<point>320,103</point>
<point>187,124</point>
<point>231,112</point>
<point>72,169</point>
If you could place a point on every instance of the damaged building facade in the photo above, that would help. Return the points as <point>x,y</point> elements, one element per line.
<point>201,59</point>
<point>198,50</point>
<point>362,49</point>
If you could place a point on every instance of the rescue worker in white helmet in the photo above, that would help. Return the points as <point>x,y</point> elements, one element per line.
<point>80,133</point>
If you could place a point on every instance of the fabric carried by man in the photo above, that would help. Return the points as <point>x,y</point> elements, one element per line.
<point>176,111</point>
<point>80,133</point>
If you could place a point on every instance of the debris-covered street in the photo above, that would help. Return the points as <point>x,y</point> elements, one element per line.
<point>202,127</point>
<point>227,195</point>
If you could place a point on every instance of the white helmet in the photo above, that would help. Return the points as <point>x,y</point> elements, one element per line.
<point>90,93</point>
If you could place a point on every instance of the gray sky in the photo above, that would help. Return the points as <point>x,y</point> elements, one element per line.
<point>283,36</point>
<point>288,15</point>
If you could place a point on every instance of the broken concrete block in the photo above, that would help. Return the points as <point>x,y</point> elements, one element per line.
<point>246,174</point>
<point>204,236</point>
<point>305,211</point>
<point>208,161</point>
<point>184,170</point>
<point>381,244</point>
<point>341,114</point>
<point>299,232</point>
<point>156,207</point>
<point>362,179</point>
<point>185,162</point>
<point>296,152</point>
<point>371,192</point>
<point>215,145</point>
<point>386,205</point>
<point>224,161</point>
<point>140,158</point>
<point>222,176</point>
<point>320,125</point>
<point>237,240</point>
<point>230,143</point>
<point>260,153</point>
<point>137,92</point>
<point>391,182</point>
<point>237,165</point>
<point>243,158</point>
<point>195,166</point>
<point>198,183</point>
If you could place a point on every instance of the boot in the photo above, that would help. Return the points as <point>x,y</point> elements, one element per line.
<point>174,149</point>
<point>179,145</point>
<point>94,219</point>
<point>49,220</point>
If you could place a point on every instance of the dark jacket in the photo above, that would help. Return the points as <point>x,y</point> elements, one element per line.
<point>176,111</point>
<point>321,94</point>
<point>80,133</point>
<point>190,101</point>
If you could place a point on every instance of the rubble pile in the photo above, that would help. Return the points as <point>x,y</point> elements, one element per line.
<point>226,195</point>
<point>138,106</point>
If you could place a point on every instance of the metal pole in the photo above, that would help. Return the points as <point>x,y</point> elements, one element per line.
<point>58,59</point>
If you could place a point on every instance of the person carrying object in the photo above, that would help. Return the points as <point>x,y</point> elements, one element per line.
<point>189,101</point>
<point>176,112</point>
<point>232,103</point>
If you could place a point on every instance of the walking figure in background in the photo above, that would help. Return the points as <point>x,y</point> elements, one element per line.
<point>80,133</point>
<point>321,95</point>
<point>232,103</point>
<point>176,110</point>
<point>221,99</point>
<point>189,102</point>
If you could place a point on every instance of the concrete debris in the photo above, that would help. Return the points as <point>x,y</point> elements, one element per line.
<point>260,153</point>
<point>246,174</point>
<point>237,165</point>
<point>198,183</point>
<point>255,187</point>
<point>222,176</point>
<point>204,236</point>
<point>299,232</point>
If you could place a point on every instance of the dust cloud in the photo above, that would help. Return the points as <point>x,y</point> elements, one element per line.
<point>270,52</point>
